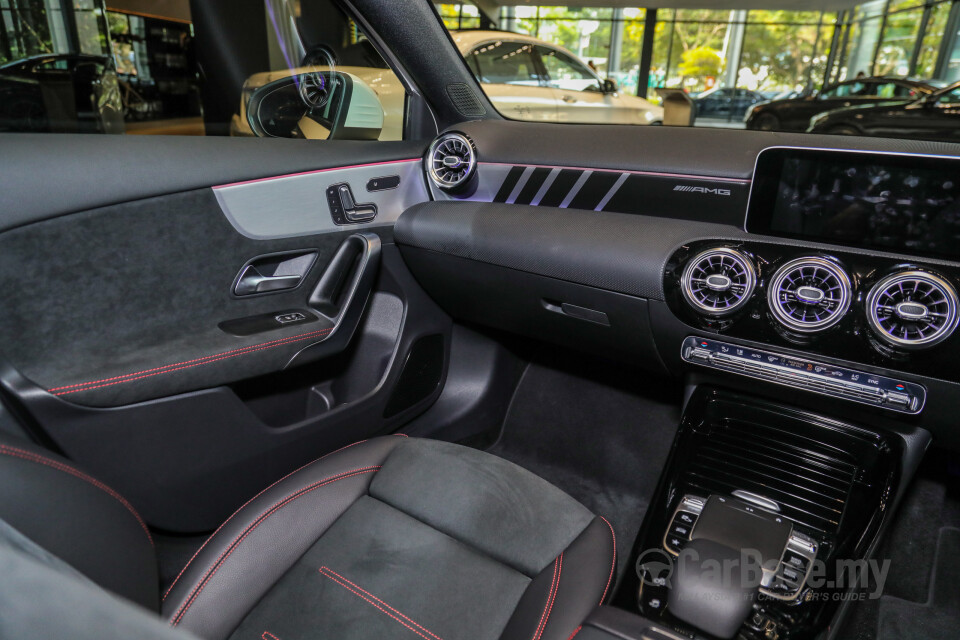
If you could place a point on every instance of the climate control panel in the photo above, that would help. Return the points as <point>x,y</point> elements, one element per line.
<point>800,373</point>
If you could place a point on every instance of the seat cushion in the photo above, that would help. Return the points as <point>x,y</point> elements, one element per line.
<point>399,537</point>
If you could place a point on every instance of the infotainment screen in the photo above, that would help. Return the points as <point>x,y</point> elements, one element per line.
<point>902,203</point>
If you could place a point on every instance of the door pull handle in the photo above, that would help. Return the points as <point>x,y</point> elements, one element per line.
<point>252,281</point>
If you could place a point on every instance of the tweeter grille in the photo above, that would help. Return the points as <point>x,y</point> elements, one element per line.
<point>912,309</point>
<point>718,282</point>
<point>809,294</point>
<point>465,100</point>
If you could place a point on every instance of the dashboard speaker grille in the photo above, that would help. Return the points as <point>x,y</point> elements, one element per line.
<point>809,294</point>
<point>718,282</point>
<point>452,161</point>
<point>809,480</point>
<point>912,309</point>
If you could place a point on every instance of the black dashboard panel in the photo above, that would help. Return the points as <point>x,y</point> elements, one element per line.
<point>630,255</point>
<point>719,153</point>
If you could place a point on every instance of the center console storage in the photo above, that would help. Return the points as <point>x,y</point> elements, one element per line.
<point>763,519</point>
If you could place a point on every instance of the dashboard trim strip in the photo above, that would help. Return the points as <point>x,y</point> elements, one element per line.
<point>658,174</point>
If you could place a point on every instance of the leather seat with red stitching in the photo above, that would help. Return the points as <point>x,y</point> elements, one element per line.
<point>389,538</point>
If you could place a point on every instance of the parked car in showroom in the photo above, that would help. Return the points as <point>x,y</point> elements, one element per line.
<point>726,102</point>
<point>794,114</point>
<point>935,116</point>
<point>66,93</point>
<point>526,79</point>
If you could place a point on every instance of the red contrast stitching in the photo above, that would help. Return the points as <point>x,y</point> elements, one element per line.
<point>575,632</point>
<point>194,557</point>
<point>187,364</point>
<point>379,604</point>
<point>33,457</point>
<point>266,635</point>
<point>613,564</point>
<point>249,529</point>
<point>551,596</point>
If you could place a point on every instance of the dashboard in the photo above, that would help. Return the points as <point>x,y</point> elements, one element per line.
<point>817,270</point>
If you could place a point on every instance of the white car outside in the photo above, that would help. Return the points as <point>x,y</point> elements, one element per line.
<point>524,77</point>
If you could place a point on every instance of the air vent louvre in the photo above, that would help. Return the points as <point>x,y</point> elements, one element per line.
<point>912,309</point>
<point>809,480</point>
<point>809,294</point>
<point>452,161</point>
<point>718,282</point>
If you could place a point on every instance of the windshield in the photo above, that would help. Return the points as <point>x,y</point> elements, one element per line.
<point>765,68</point>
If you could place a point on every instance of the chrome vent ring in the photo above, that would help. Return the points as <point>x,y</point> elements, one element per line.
<point>452,161</point>
<point>912,309</point>
<point>718,282</point>
<point>809,294</point>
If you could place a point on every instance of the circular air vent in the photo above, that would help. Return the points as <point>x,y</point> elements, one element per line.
<point>912,309</point>
<point>452,162</point>
<point>809,294</point>
<point>717,282</point>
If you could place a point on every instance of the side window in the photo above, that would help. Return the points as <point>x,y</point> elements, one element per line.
<point>53,64</point>
<point>885,90</point>
<point>565,72</point>
<point>197,68</point>
<point>505,62</point>
<point>905,91</point>
<point>849,89</point>
<point>950,98</point>
<point>831,92</point>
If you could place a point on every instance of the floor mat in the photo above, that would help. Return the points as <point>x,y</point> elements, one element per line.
<point>599,433</point>
<point>939,617</point>
<point>919,557</point>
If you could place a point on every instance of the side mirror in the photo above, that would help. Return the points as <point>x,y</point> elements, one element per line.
<point>610,86</point>
<point>320,105</point>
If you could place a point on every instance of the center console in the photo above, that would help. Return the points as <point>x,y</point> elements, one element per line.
<point>763,519</point>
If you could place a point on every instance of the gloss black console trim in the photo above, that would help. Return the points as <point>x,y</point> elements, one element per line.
<point>829,380</point>
<point>834,482</point>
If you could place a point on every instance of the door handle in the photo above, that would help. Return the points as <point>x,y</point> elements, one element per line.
<point>568,99</point>
<point>273,272</point>
<point>252,281</point>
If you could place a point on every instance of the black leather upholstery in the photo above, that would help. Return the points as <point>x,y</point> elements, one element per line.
<point>78,519</point>
<point>395,536</point>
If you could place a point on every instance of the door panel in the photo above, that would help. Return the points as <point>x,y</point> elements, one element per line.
<point>125,344</point>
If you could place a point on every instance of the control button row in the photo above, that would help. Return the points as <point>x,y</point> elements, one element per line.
<point>810,376</point>
<point>680,529</point>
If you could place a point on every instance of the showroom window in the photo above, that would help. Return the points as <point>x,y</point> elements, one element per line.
<point>273,68</point>
<point>728,62</point>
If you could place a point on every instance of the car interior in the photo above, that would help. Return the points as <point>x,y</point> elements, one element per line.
<point>497,379</point>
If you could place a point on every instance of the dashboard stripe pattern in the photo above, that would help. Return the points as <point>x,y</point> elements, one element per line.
<point>618,191</point>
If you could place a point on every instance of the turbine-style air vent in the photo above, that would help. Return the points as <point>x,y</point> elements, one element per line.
<point>809,294</point>
<point>452,162</point>
<point>718,282</point>
<point>912,309</point>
